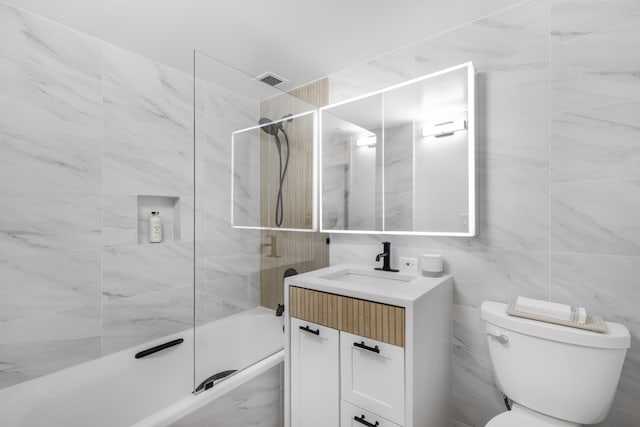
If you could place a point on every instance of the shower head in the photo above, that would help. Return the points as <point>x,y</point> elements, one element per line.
<point>271,128</point>
<point>268,126</point>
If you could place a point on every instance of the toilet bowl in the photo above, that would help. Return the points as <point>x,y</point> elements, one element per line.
<point>556,376</point>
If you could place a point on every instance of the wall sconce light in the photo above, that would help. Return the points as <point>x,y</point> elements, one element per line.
<point>367,141</point>
<point>444,129</point>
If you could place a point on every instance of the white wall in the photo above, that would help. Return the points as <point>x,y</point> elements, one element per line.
<point>559,175</point>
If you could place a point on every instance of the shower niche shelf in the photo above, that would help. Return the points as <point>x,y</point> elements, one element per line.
<point>169,208</point>
<point>274,173</point>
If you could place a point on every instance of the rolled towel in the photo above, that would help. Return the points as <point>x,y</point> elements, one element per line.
<point>555,310</point>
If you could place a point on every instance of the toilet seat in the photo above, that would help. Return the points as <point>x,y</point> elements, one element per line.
<point>510,419</point>
<point>522,417</point>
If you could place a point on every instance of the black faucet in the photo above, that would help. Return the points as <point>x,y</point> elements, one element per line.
<point>386,264</point>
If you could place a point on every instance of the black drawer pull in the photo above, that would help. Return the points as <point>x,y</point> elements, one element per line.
<point>311,331</point>
<point>361,420</point>
<point>363,346</point>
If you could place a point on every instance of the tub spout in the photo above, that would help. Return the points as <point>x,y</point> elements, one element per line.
<point>272,245</point>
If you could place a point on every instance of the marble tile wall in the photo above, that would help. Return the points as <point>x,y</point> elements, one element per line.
<point>558,176</point>
<point>86,127</point>
<point>147,149</point>
<point>230,264</point>
<point>50,193</point>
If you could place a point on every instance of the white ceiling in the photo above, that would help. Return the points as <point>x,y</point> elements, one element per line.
<point>301,40</point>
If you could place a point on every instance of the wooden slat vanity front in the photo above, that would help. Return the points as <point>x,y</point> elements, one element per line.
<point>369,319</point>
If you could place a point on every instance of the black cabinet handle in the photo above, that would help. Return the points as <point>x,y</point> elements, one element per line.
<point>311,331</point>
<point>361,420</point>
<point>363,346</point>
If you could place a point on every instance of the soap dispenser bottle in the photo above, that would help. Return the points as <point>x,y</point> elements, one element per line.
<point>155,228</point>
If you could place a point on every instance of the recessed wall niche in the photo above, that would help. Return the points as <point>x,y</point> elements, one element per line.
<point>169,208</point>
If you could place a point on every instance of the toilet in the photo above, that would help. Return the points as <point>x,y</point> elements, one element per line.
<point>556,376</point>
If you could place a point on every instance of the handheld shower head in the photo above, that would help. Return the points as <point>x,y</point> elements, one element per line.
<point>268,126</point>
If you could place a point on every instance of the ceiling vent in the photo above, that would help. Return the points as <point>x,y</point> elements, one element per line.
<point>272,79</point>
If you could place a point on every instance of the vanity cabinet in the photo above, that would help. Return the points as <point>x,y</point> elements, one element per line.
<point>372,376</point>
<point>352,416</point>
<point>316,372</point>
<point>364,355</point>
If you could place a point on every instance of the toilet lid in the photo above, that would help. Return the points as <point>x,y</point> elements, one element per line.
<point>518,419</point>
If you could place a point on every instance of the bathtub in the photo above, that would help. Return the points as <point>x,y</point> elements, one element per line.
<point>156,390</point>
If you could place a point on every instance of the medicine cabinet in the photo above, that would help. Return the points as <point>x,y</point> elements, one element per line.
<point>402,160</point>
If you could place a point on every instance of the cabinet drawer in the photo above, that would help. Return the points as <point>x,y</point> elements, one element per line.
<point>315,375</point>
<point>372,376</point>
<point>369,319</point>
<point>352,416</point>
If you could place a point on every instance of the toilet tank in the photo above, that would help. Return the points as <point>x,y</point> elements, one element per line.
<point>563,372</point>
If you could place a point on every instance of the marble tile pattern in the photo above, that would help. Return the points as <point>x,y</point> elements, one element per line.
<point>507,33</point>
<point>132,321</point>
<point>595,69</point>
<point>557,177</point>
<point>575,18</point>
<point>130,271</point>
<point>606,285</point>
<point>475,397</point>
<point>49,45</point>
<point>256,403</point>
<point>598,217</point>
<point>148,149</point>
<point>49,127</point>
<point>230,264</point>
<point>606,138</point>
<point>39,284</point>
<point>86,127</point>
<point>38,345</point>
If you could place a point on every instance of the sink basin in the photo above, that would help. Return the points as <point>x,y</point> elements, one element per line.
<point>368,277</point>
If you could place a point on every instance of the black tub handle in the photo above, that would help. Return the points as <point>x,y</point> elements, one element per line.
<point>363,346</point>
<point>150,351</point>
<point>311,331</point>
<point>361,420</point>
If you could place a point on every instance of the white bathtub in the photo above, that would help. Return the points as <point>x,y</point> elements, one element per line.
<point>119,390</point>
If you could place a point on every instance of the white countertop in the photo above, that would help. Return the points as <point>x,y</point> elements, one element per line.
<point>398,293</point>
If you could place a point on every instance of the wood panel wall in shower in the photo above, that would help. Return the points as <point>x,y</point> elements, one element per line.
<point>301,251</point>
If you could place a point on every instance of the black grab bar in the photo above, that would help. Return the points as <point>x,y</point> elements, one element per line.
<point>150,351</point>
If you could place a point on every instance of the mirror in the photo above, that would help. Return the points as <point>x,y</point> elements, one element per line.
<point>352,165</point>
<point>402,160</point>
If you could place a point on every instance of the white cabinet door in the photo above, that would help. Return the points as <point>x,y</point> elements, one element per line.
<point>352,416</point>
<point>315,375</point>
<point>373,376</point>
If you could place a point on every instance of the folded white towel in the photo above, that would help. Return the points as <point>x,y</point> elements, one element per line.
<point>552,309</point>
